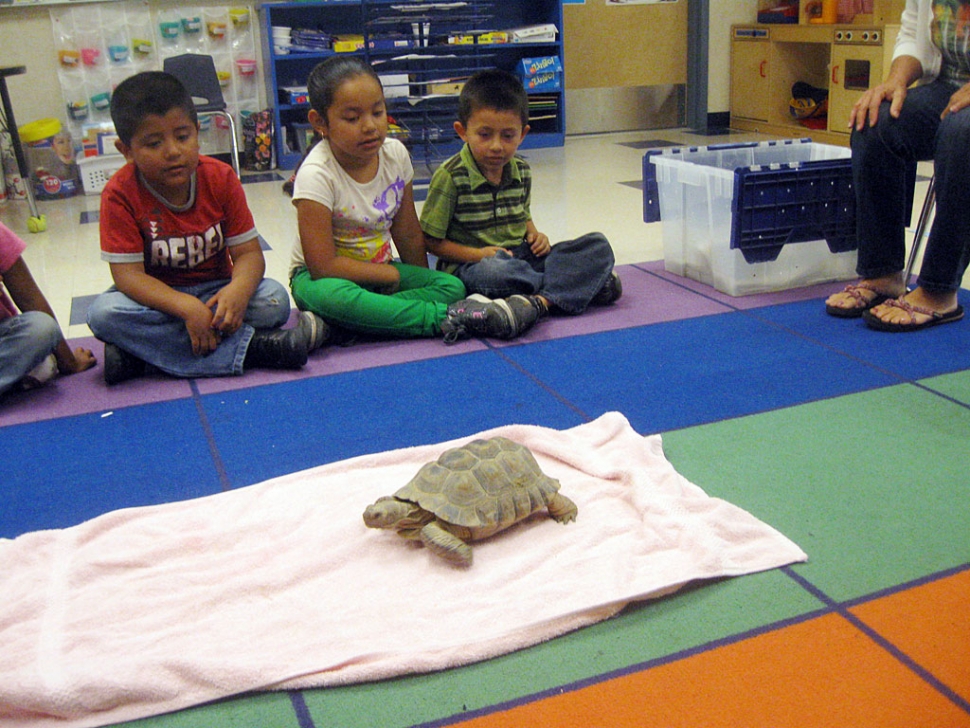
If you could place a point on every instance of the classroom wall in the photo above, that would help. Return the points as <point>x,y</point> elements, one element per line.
<point>27,39</point>
<point>626,65</point>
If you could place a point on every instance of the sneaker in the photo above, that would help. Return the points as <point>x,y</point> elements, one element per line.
<point>120,366</point>
<point>610,292</point>
<point>541,306</point>
<point>524,312</point>
<point>314,329</point>
<point>40,374</point>
<point>277,348</point>
<point>480,316</point>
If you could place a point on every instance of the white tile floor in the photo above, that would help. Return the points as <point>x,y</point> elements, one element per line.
<point>590,184</point>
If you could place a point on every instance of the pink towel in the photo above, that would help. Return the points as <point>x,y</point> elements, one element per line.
<point>280,585</point>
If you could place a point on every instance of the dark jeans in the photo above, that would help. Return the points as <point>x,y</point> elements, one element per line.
<point>569,276</point>
<point>884,161</point>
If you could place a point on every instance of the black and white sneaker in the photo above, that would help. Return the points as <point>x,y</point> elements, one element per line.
<point>524,311</point>
<point>610,292</point>
<point>120,366</point>
<point>314,329</point>
<point>483,317</point>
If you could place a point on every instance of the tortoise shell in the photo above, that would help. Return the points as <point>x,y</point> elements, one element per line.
<point>486,486</point>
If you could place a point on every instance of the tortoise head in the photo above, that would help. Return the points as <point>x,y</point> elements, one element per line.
<point>391,512</point>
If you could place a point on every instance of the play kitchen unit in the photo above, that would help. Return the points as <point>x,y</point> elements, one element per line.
<point>842,58</point>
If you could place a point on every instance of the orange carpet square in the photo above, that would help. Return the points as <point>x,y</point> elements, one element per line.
<point>822,672</point>
<point>930,624</point>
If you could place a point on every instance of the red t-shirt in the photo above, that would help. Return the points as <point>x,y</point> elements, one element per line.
<point>179,246</point>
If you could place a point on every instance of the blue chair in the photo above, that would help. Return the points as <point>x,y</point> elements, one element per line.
<point>198,74</point>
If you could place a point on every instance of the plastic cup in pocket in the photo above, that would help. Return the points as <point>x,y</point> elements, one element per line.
<point>141,46</point>
<point>192,25</point>
<point>216,29</point>
<point>101,101</point>
<point>69,58</point>
<point>224,78</point>
<point>118,53</point>
<point>168,29</point>
<point>77,110</point>
<point>90,56</point>
<point>246,66</point>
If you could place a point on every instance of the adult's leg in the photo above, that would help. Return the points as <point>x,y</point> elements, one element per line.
<point>948,248</point>
<point>884,160</point>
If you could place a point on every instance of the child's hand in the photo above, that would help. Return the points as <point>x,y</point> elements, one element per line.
<point>198,323</point>
<point>229,307</point>
<point>538,243</point>
<point>495,250</point>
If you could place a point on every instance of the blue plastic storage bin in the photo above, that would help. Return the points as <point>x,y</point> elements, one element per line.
<point>754,217</point>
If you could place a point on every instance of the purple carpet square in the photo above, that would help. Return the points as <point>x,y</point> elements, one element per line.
<point>647,299</point>
<point>339,359</point>
<point>87,392</point>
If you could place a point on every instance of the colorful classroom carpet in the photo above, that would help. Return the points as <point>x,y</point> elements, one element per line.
<point>850,442</point>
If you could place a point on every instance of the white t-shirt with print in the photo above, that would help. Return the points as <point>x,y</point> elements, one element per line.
<point>362,213</point>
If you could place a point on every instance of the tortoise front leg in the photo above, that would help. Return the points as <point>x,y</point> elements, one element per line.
<point>446,544</point>
<point>561,508</point>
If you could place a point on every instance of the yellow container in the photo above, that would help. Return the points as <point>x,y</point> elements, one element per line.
<point>39,130</point>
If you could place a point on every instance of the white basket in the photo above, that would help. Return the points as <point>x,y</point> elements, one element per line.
<point>96,171</point>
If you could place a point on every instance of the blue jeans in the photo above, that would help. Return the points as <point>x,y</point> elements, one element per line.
<point>164,342</point>
<point>884,161</point>
<point>25,341</point>
<point>569,276</point>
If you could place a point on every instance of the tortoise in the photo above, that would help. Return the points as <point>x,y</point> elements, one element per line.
<point>470,493</point>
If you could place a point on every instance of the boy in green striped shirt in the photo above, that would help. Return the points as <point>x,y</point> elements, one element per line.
<point>477,220</point>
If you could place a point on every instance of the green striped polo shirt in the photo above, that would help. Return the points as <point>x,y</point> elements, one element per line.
<point>466,208</point>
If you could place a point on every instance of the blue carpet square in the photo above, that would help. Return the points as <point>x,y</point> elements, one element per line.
<point>77,468</point>
<point>269,431</point>
<point>674,375</point>
<point>909,356</point>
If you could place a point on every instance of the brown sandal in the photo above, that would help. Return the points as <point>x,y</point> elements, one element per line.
<point>863,302</point>
<point>935,317</point>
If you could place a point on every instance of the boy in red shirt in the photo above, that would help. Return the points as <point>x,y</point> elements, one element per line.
<point>189,296</point>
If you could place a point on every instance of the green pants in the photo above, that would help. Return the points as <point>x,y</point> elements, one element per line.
<point>417,309</point>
